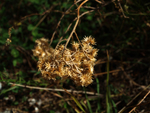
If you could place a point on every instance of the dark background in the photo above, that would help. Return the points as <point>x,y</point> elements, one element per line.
<point>121,28</point>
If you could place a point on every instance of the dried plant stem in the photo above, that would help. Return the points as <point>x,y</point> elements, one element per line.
<point>60,22</point>
<point>122,9</point>
<point>78,17</point>
<point>60,90</point>
<point>77,38</point>
<point>113,71</point>
<point>49,10</point>
<point>70,26</point>
<point>140,101</point>
<point>124,108</point>
<point>128,77</point>
<point>99,1</point>
<point>9,31</point>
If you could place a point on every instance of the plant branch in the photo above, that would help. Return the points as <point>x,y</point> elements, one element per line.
<point>60,90</point>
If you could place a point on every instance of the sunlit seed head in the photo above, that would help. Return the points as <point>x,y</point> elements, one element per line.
<point>91,69</point>
<point>44,39</point>
<point>38,42</point>
<point>94,52</point>
<point>37,52</point>
<point>43,54</point>
<point>61,47</point>
<point>89,40</point>
<point>68,64</point>
<point>56,52</point>
<point>67,52</point>
<point>47,65</point>
<point>86,39</point>
<point>92,40</point>
<point>93,59</point>
<point>75,45</point>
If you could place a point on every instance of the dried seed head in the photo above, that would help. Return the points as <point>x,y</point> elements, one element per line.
<point>61,47</point>
<point>75,46</point>
<point>47,65</point>
<point>76,63</point>
<point>42,41</point>
<point>86,80</point>
<point>89,40</point>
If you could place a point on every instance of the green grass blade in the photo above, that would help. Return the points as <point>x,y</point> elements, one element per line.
<point>107,87</point>
<point>77,102</point>
<point>88,103</point>
<point>83,104</point>
<point>114,106</point>
<point>1,76</point>
<point>98,91</point>
<point>6,90</point>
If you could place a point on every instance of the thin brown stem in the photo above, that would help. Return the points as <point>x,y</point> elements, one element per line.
<point>97,74</point>
<point>78,17</point>
<point>124,108</point>
<point>140,101</point>
<point>60,22</point>
<point>60,90</point>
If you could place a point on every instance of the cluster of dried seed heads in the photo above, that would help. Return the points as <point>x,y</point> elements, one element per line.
<point>76,63</point>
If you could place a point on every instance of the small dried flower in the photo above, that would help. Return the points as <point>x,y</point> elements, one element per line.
<point>89,40</point>
<point>47,65</point>
<point>86,80</point>
<point>75,46</point>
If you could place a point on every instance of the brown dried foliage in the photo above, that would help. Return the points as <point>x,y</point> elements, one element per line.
<point>76,63</point>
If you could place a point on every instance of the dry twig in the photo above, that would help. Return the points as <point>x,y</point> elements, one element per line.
<point>60,22</point>
<point>78,17</point>
<point>140,101</point>
<point>60,90</point>
<point>124,108</point>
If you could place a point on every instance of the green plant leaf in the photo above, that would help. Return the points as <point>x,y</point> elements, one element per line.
<point>30,27</point>
<point>2,41</point>
<point>65,5</point>
<point>19,73</point>
<point>15,53</point>
<point>89,17</point>
<point>35,1</point>
<point>16,103</point>
<point>15,90</point>
<point>14,62</point>
<point>35,33</point>
<point>51,111</point>
<point>65,105</point>
<point>114,106</point>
